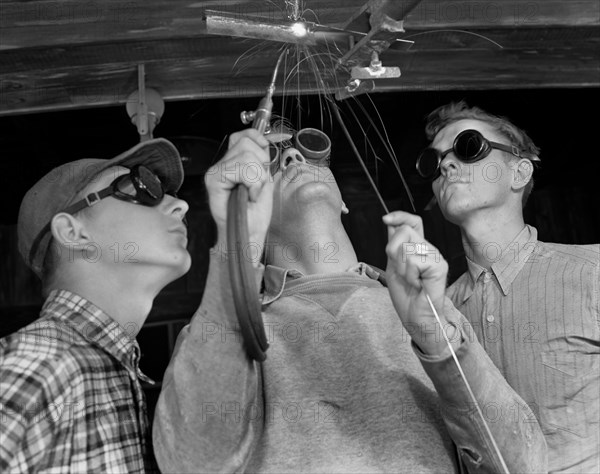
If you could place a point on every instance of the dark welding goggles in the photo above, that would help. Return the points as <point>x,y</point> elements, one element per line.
<point>469,146</point>
<point>313,145</point>
<point>140,186</point>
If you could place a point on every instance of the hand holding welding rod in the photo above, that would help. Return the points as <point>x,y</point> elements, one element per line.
<point>416,272</point>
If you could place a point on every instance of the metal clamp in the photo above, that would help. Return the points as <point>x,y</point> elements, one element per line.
<point>375,70</point>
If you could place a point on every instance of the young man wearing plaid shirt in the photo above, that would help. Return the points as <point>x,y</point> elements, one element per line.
<point>105,236</point>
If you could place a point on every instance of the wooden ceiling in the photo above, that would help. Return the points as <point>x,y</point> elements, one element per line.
<point>73,54</point>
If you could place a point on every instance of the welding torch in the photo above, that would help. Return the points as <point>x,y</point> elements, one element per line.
<point>261,117</point>
<point>241,271</point>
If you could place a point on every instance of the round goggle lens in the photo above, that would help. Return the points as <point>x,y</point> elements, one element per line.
<point>125,186</point>
<point>428,163</point>
<point>469,145</point>
<point>151,184</point>
<point>314,145</point>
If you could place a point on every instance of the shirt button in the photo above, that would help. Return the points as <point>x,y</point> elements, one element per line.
<point>490,318</point>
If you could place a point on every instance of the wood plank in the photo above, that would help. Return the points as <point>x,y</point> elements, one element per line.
<point>92,86</point>
<point>69,54</point>
<point>205,50</point>
<point>531,39</point>
<point>521,13</point>
<point>43,23</point>
<point>35,23</point>
<point>498,69</point>
<point>208,50</point>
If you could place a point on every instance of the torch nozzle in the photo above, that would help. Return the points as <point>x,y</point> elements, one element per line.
<point>262,115</point>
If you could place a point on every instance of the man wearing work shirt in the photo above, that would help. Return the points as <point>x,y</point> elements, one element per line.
<point>534,306</point>
<point>345,387</point>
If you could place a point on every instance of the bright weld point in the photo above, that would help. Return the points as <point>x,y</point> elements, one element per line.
<point>299,29</point>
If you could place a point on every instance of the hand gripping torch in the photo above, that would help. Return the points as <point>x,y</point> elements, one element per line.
<point>243,281</point>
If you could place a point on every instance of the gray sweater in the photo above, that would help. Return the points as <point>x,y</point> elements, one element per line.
<point>342,389</point>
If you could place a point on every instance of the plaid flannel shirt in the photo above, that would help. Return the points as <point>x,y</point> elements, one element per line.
<point>70,398</point>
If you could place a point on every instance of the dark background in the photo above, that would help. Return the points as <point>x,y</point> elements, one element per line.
<point>565,204</point>
<point>563,122</point>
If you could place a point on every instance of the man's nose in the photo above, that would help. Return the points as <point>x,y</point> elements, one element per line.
<point>449,167</point>
<point>175,205</point>
<point>291,156</point>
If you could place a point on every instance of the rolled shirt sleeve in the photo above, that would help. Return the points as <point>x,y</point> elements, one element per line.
<point>512,423</point>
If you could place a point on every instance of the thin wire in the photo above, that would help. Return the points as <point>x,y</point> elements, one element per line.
<point>455,31</point>
<point>462,374</point>
<point>388,148</point>
<point>356,152</point>
<point>336,112</point>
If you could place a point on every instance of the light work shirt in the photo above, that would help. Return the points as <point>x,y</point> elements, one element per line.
<point>343,389</point>
<point>536,312</point>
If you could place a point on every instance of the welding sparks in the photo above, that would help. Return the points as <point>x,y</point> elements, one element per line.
<point>299,29</point>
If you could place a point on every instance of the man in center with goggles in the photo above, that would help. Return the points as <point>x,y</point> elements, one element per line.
<point>344,387</point>
<point>534,306</point>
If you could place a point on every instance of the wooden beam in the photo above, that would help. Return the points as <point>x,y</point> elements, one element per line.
<point>562,58</point>
<point>43,23</point>
<point>498,69</point>
<point>438,14</point>
<point>232,57</point>
<point>73,54</point>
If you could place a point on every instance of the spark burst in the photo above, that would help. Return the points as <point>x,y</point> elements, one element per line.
<point>312,65</point>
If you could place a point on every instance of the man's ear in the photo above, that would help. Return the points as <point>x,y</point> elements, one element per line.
<point>523,171</point>
<point>67,229</point>
<point>345,209</point>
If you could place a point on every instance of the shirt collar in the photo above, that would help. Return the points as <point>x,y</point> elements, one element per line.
<point>275,279</point>
<point>95,326</point>
<point>513,258</point>
<point>511,261</point>
<point>278,279</point>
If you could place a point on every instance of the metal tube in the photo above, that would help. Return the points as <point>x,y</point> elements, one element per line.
<point>219,23</point>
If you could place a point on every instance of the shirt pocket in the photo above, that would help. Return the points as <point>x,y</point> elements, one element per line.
<point>570,396</point>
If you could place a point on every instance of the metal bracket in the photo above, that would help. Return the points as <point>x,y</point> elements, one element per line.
<point>385,20</point>
<point>355,87</point>
<point>145,107</point>
<point>375,70</point>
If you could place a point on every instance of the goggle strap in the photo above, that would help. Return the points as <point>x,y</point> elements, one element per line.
<point>89,200</point>
<point>512,149</point>
<point>37,241</point>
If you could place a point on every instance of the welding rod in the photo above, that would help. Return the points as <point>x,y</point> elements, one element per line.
<point>227,24</point>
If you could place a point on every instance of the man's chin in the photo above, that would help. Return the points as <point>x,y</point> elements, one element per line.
<point>182,266</point>
<point>453,212</point>
<point>312,192</point>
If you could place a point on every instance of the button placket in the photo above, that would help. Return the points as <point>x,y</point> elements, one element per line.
<point>489,335</point>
